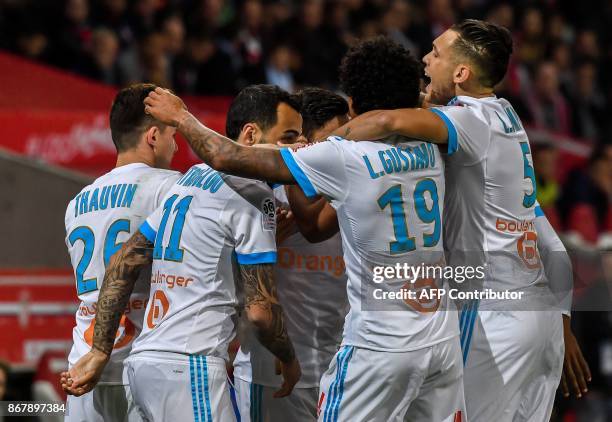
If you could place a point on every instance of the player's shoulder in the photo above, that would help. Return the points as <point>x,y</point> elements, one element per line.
<point>477,108</point>
<point>327,148</point>
<point>157,176</point>
<point>247,196</point>
<point>240,187</point>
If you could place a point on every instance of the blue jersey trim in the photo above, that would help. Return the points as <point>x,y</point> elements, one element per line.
<point>539,212</point>
<point>148,231</point>
<point>298,173</point>
<point>256,258</point>
<point>452,132</point>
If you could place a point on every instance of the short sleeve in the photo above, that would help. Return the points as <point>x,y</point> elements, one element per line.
<point>250,216</point>
<point>319,169</point>
<point>150,226</point>
<point>468,135</point>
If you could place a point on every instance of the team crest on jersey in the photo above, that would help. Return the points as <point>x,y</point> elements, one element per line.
<point>268,215</point>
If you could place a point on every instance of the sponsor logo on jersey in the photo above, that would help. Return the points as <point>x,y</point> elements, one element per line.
<point>158,309</point>
<point>290,259</point>
<point>171,280</point>
<point>90,309</point>
<point>514,226</point>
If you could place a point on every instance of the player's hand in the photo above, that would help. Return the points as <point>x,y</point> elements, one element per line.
<point>576,372</point>
<point>165,106</point>
<point>285,224</point>
<point>294,146</point>
<point>85,374</point>
<point>291,375</point>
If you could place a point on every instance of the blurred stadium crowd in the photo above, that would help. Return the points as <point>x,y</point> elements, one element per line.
<point>560,80</point>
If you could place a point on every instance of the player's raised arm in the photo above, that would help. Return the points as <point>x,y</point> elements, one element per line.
<point>119,280</point>
<point>266,314</point>
<point>415,123</point>
<point>216,150</point>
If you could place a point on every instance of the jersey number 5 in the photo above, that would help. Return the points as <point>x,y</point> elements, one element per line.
<point>393,198</point>
<point>528,172</point>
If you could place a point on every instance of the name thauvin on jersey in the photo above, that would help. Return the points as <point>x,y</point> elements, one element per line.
<point>400,159</point>
<point>110,196</point>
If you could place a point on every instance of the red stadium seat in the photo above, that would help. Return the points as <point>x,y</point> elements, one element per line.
<point>553,217</point>
<point>583,220</point>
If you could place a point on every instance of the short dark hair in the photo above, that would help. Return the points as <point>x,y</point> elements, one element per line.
<point>317,107</point>
<point>128,118</point>
<point>256,104</point>
<point>380,74</point>
<point>487,45</point>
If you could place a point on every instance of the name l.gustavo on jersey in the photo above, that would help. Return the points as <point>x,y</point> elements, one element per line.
<point>401,158</point>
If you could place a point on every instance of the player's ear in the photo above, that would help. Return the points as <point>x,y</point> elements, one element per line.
<point>246,134</point>
<point>152,136</point>
<point>252,134</point>
<point>461,74</point>
<point>351,109</point>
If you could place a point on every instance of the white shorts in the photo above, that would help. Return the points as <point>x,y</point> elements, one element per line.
<point>182,388</point>
<point>103,403</point>
<point>424,385</point>
<point>256,404</point>
<point>513,363</point>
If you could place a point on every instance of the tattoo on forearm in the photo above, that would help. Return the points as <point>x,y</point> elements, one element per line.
<point>119,281</point>
<point>260,291</point>
<point>347,132</point>
<point>227,156</point>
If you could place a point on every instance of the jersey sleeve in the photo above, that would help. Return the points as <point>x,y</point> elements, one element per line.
<point>319,169</point>
<point>468,135</point>
<point>557,263</point>
<point>250,216</point>
<point>151,224</point>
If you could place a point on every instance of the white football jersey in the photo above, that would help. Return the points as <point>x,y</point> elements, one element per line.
<point>207,222</point>
<point>490,191</point>
<point>98,220</point>
<point>311,285</point>
<point>389,198</point>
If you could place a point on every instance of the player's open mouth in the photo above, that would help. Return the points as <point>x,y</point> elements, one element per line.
<point>427,81</point>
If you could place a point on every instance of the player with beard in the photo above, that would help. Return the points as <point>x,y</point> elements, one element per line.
<point>311,286</point>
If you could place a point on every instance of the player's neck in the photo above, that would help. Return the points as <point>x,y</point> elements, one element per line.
<point>475,92</point>
<point>132,157</point>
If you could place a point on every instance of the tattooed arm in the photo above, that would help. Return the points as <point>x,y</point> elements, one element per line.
<point>216,150</point>
<point>119,281</point>
<point>266,314</point>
